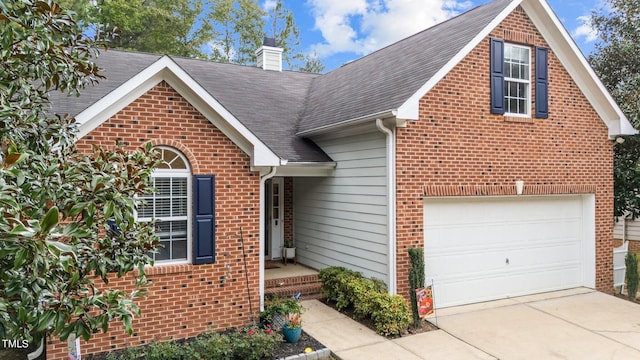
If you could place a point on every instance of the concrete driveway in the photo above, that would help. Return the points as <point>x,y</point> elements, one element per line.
<point>572,324</point>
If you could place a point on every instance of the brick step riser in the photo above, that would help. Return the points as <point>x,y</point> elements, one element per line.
<point>305,295</point>
<point>291,281</point>
<point>310,290</point>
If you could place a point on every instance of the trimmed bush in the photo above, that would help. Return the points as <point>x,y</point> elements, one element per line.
<point>214,346</point>
<point>416,280</point>
<point>391,315</point>
<point>368,298</point>
<point>631,275</point>
<point>251,344</point>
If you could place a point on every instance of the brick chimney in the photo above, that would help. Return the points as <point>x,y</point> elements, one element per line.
<point>269,56</point>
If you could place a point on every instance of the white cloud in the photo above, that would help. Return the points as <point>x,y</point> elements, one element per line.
<point>585,30</point>
<point>362,26</point>
<point>268,5</point>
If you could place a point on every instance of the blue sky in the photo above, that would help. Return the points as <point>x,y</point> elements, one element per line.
<point>343,30</point>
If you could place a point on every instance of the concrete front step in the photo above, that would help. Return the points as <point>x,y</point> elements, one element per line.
<point>308,286</point>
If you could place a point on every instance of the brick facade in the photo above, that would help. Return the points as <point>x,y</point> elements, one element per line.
<point>458,148</point>
<point>185,300</point>
<point>288,208</point>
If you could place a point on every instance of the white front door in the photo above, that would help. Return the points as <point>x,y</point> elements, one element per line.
<point>275,216</point>
<point>479,249</point>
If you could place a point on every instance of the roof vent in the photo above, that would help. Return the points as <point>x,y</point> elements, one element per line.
<point>269,56</point>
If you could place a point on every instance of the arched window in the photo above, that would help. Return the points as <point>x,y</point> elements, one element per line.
<point>170,207</point>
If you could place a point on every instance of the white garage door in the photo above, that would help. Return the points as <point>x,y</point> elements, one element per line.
<point>479,249</point>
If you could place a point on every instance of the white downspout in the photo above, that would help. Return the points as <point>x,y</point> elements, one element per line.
<point>391,201</point>
<point>263,180</point>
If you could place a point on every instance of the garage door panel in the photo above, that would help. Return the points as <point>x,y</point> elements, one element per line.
<point>493,285</point>
<point>479,249</point>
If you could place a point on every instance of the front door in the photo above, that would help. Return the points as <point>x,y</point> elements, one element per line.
<point>275,214</point>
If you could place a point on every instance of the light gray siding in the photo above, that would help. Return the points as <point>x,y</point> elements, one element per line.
<point>342,220</point>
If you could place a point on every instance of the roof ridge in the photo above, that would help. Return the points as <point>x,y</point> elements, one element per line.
<point>421,32</point>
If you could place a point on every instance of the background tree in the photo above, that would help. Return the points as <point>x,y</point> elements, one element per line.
<point>156,26</point>
<point>311,64</point>
<point>241,25</point>
<point>282,27</point>
<point>238,28</point>
<point>57,249</point>
<point>222,30</point>
<point>615,60</point>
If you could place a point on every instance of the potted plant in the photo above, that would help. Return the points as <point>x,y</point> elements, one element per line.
<point>276,309</point>
<point>292,327</point>
<point>289,251</point>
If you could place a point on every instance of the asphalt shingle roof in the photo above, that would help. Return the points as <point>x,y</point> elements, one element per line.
<point>268,103</point>
<point>385,79</point>
<point>277,105</point>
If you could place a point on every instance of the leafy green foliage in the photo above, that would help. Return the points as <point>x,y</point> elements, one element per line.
<point>238,25</point>
<point>391,315</point>
<point>616,62</point>
<point>631,275</point>
<point>241,25</point>
<point>416,280</point>
<point>627,177</point>
<point>54,201</point>
<point>276,305</point>
<point>158,26</point>
<point>251,344</point>
<point>223,30</point>
<point>368,298</point>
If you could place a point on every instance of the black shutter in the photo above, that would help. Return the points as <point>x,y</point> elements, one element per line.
<point>497,76</point>
<point>542,83</point>
<point>204,222</point>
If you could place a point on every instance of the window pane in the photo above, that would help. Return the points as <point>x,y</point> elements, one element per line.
<point>179,207</point>
<point>513,105</point>
<point>145,208</point>
<point>163,207</point>
<point>179,187</point>
<point>163,252</point>
<point>522,92</point>
<point>168,156</point>
<point>525,72</point>
<point>164,186</point>
<point>513,89</point>
<point>179,249</point>
<point>163,230</point>
<point>521,107</point>
<point>178,163</point>
<point>179,229</point>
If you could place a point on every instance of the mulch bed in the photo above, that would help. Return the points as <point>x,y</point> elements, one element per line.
<point>624,296</point>
<point>424,325</point>
<point>306,341</point>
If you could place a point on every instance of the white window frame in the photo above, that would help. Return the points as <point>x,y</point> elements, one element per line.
<point>175,173</point>
<point>508,80</point>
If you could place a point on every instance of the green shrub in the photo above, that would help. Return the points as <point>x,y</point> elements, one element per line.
<point>360,294</point>
<point>631,275</point>
<point>368,298</point>
<point>251,344</point>
<point>168,351</point>
<point>213,346</point>
<point>254,344</point>
<point>156,351</point>
<point>391,315</point>
<point>416,280</point>
<point>334,280</point>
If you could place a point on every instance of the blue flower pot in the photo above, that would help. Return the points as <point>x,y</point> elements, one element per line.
<point>291,335</point>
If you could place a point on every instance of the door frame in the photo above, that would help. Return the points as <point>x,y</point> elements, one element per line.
<point>274,218</point>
